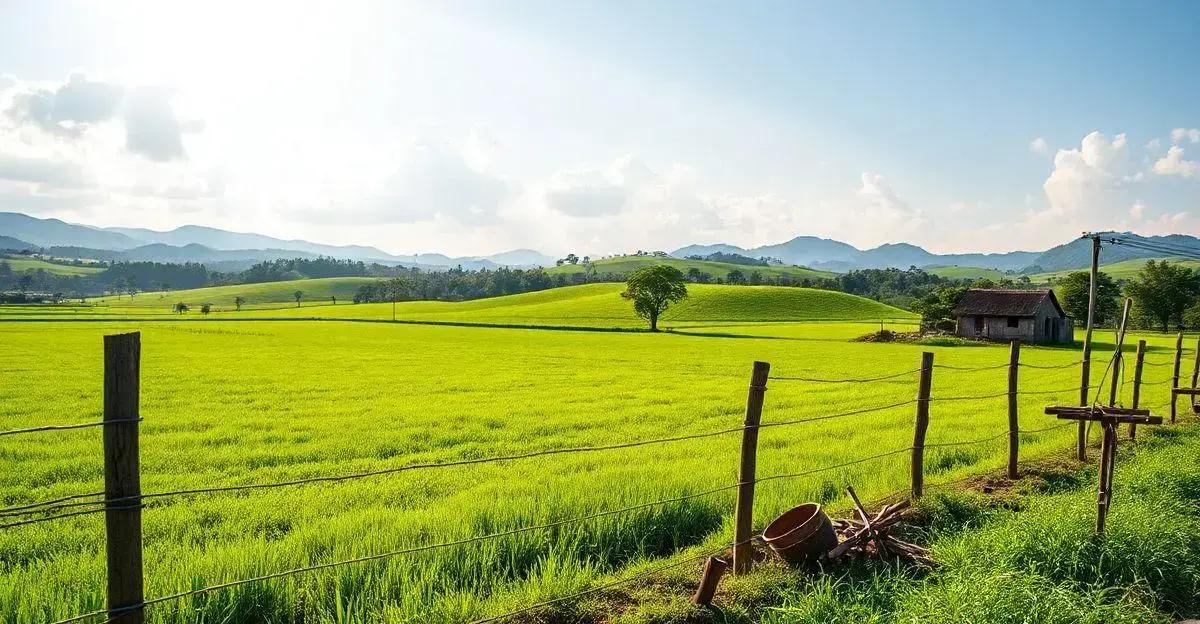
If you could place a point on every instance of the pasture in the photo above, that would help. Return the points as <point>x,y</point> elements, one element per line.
<point>23,263</point>
<point>230,402</point>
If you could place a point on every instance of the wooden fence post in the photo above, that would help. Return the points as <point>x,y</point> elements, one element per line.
<point>122,479</point>
<point>1118,356</point>
<point>1175,375</point>
<point>1196,370</point>
<point>744,513</point>
<point>922,425</point>
<point>1137,384</point>
<point>1014,425</point>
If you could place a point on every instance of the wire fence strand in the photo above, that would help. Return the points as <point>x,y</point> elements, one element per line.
<point>847,380</point>
<point>838,415</point>
<point>86,425</point>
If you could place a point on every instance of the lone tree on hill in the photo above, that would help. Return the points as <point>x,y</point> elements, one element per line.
<point>1072,292</point>
<point>653,289</point>
<point>298,294</point>
<point>180,308</point>
<point>206,308</point>
<point>1162,291</point>
<point>238,302</point>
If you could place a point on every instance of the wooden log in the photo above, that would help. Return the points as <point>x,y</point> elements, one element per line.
<point>1185,391</point>
<point>744,513</point>
<point>1137,383</point>
<point>1014,427</point>
<point>714,568</point>
<point>1116,418</point>
<point>922,425</point>
<point>122,478</point>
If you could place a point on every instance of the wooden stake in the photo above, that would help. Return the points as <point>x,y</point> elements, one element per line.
<point>1175,375</point>
<point>1014,427</point>
<point>1196,369</point>
<point>1107,456</point>
<point>713,569</point>
<point>1085,380</point>
<point>122,478</point>
<point>1117,355</point>
<point>744,513</point>
<point>922,425</point>
<point>1137,384</point>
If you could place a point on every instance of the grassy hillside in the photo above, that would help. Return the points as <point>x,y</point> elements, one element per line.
<point>1126,269</point>
<point>22,263</point>
<point>257,295</point>
<point>967,272</point>
<point>601,305</point>
<point>623,265</point>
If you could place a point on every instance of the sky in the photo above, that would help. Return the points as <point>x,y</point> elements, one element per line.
<point>605,127</point>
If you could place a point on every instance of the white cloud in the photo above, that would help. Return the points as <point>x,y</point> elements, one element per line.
<point>1086,176</point>
<point>1137,210</point>
<point>1038,146</point>
<point>1175,164</point>
<point>1179,135</point>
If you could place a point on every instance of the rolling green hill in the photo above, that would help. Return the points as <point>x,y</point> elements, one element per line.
<point>22,263</point>
<point>967,272</point>
<point>623,265</point>
<point>1126,269</point>
<point>601,305</point>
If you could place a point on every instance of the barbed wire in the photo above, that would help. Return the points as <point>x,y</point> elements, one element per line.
<point>848,380</point>
<point>87,425</point>
<point>839,415</point>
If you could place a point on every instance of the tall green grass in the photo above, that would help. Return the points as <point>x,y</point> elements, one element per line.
<point>233,403</point>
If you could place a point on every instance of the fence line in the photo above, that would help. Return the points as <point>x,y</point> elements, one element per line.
<point>88,425</point>
<point>130,608</point>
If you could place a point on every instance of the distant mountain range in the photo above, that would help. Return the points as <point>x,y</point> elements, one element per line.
<point>831,255</point>
<point>193,243</point>
<point>224,250</point>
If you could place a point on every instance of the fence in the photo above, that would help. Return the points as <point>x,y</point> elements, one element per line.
<point>122,500</point>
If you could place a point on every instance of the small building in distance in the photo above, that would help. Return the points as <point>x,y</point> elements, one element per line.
<point>1026,315</point>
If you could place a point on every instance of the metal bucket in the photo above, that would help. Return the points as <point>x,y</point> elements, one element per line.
<point>801,534</point>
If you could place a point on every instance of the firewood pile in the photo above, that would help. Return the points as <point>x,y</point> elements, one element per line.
<point>870,535</point>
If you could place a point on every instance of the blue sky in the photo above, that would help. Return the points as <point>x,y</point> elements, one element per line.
<point>604,127</point>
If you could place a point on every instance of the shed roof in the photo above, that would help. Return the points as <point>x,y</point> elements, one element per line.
<point>996,302</point>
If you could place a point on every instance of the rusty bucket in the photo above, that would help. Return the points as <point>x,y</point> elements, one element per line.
<point>801,534</point>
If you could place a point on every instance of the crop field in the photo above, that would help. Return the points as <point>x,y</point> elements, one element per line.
<point>32,264</point>
<point>623,265</point>
<point>227,402</point>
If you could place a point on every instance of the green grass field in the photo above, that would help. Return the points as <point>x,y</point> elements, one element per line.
<point>21,263</point>
<point>1124,270</point>
<point>967,273</point>
<point>590,306</point>
<point>227,402</point>
<point>623,265</point>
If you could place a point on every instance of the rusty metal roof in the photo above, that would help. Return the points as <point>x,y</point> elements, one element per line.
<point>997,302</point>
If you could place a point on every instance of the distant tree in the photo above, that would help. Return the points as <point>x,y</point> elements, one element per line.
<point>180,308</point>
<point>735,277</point>
<point>238,302</point>
<point>298,294</point>
<point>205,308</point>
<point>571,259</point>
<point>936,307</point>
<point>653,289</point>
<point>756,277</point>
<point>333,298</point>
<point>1073,288</point>
<point>694,275</point>
<point>558,262</point>
<point>1162,291</point>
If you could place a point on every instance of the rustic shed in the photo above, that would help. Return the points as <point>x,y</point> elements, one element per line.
<point>1028,315</point>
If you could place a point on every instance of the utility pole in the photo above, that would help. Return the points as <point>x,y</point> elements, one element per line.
<point>1086,374</point>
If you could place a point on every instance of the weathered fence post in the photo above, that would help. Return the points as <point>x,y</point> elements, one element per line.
<point>1175,375</point>
<point>744,514</point>
<point>1137,384</point>
<point>918,448</point>
<point>1196,370</point>
<point>1014,425</point>
<point>122,479</point>
<point>1118,356</point>
<point>1086,373</point>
